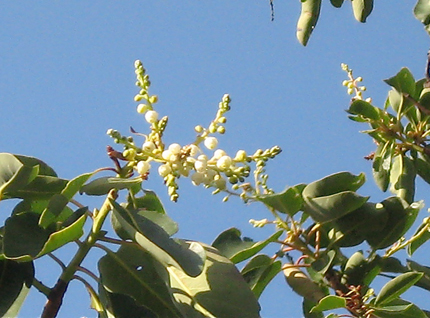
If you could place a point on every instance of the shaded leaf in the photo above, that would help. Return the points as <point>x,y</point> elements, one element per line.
<point>302,284</point>
<point>336,3</point>
<point>308,19</point>
<point>189,257</point>
<point>15,282</point>
<point>259,272</point>
<point>232,246</point>
<point>422,235</point>
<point>335,183</point>
<point>382,164</point>
<point>149,201</point>
<point>362,9</point>
<point>422,12</point>
<point>399,308</point>
<point>424,282</point>
<point>307,305</point>
<point>402,178</point>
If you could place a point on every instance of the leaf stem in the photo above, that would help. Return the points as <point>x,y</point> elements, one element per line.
<point>56,295</point>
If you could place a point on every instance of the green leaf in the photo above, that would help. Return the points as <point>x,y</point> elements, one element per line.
<point>25,240</point>
<point>149,201</point>
<point>44,169</point>
<point>382,164</point>
<point>399,308</point>
<point>403,82</point>
<point>289,201</point>
<point>395,287</point>
<point>130,271</point>
<point>324,262</point>
<point>400,218</point>
<point>424,282</point>
<point>362,9</point>
<point>103,185</point>
<point>420,239</point>
<point>232,246</point>
<point>422,166</point>
<point>307,306</point>
<point>15,282</point>
<point>396,100</point>
<point>123,306</point>
<point>329,302</point>
<point>259,272</point>
<point>365,109</point>
<point>59,201</point>
<point>154,239</point>
<point>41,188</point>
<point>422,12</point>
<point>220,283</point>
<point>335,183</point>
<point>332,207</point>
<point>308,19</point>
<point>302,284</point>
<point>336,3</point>
<point>402,178</point>
<point>355,269</point>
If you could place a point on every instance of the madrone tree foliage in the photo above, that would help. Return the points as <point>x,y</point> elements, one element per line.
<point>148,272</point>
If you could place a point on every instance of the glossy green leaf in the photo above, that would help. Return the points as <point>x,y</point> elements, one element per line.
<point>42,187</point>
<point>396,100</point>
<point>402,178</point>
<point>336,3</point>
<point>422,12</point>
<point>403,82</point>
<point>289,201</point>
<point>154,239</point>
<point>324,261</point>
<point>307,306</point>
<point>400,218</point>
<point>362,9</point>
<point>103,185</point>
<point>355,269</point>
<point>329,302</point>
<point>308,19</point>
<point>382,164</point>
<point>398,308</point>
<point>395,287</point>
<point>424,282</point>
<point>219,283</point>
<point>422,166</point>
<point>302,284</point>
<point>130,271</point>
<point>15,282</point>
<point>25,240</point>
<point>364,109</point>
<point>232,246</point>
<point>335,183</point>
<point>333,207</point>
<point>259,272</point>
<point>149,201</point>
<point>422,235</point>
<point>44,169</point>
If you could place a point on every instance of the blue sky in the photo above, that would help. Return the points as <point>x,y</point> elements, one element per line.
<point>66,76</point>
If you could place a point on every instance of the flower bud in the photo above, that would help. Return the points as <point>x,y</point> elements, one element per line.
<point>175,148</point>
<point>211,143</point>
<point>148,146</point>
<point>164,170</point>
<point>138,97</point>
<point>166,155</point>
<point>153,99</point>
<point>197,178</point>
<point>240,156</point>
<point>143,167</point>
<point>129,154</point>
<point>198,129</point>
<point>224,162</point>
<point>151,116</point>
<point>142,108</point>
<point>194,150</point>
<point>200,166</point>
<point>218,154</point>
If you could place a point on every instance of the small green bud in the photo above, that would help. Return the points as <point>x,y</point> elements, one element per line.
<point>359,79</point>
<point>137,64</point>
<point>153,99</point>
<point>222,120</point>
<point>138,98</point>
<point>198,129</point>
<point>221,130</point>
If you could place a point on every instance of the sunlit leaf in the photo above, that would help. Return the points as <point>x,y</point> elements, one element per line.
<point>364,109</point>
<point>395,287</point>
<point>329,302</point>
<point>402,178</point>
<point>403,82</point>
<point>289,201</point>
<point>232,246</point>
<point>103,185</point>
<point>421,236</point>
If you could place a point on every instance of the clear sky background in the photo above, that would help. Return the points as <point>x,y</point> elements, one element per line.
<point>67,75</point>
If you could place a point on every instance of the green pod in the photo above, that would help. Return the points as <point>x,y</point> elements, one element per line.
<point>362,9</point>
<point>302,284</point>
<point>307,20</point>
